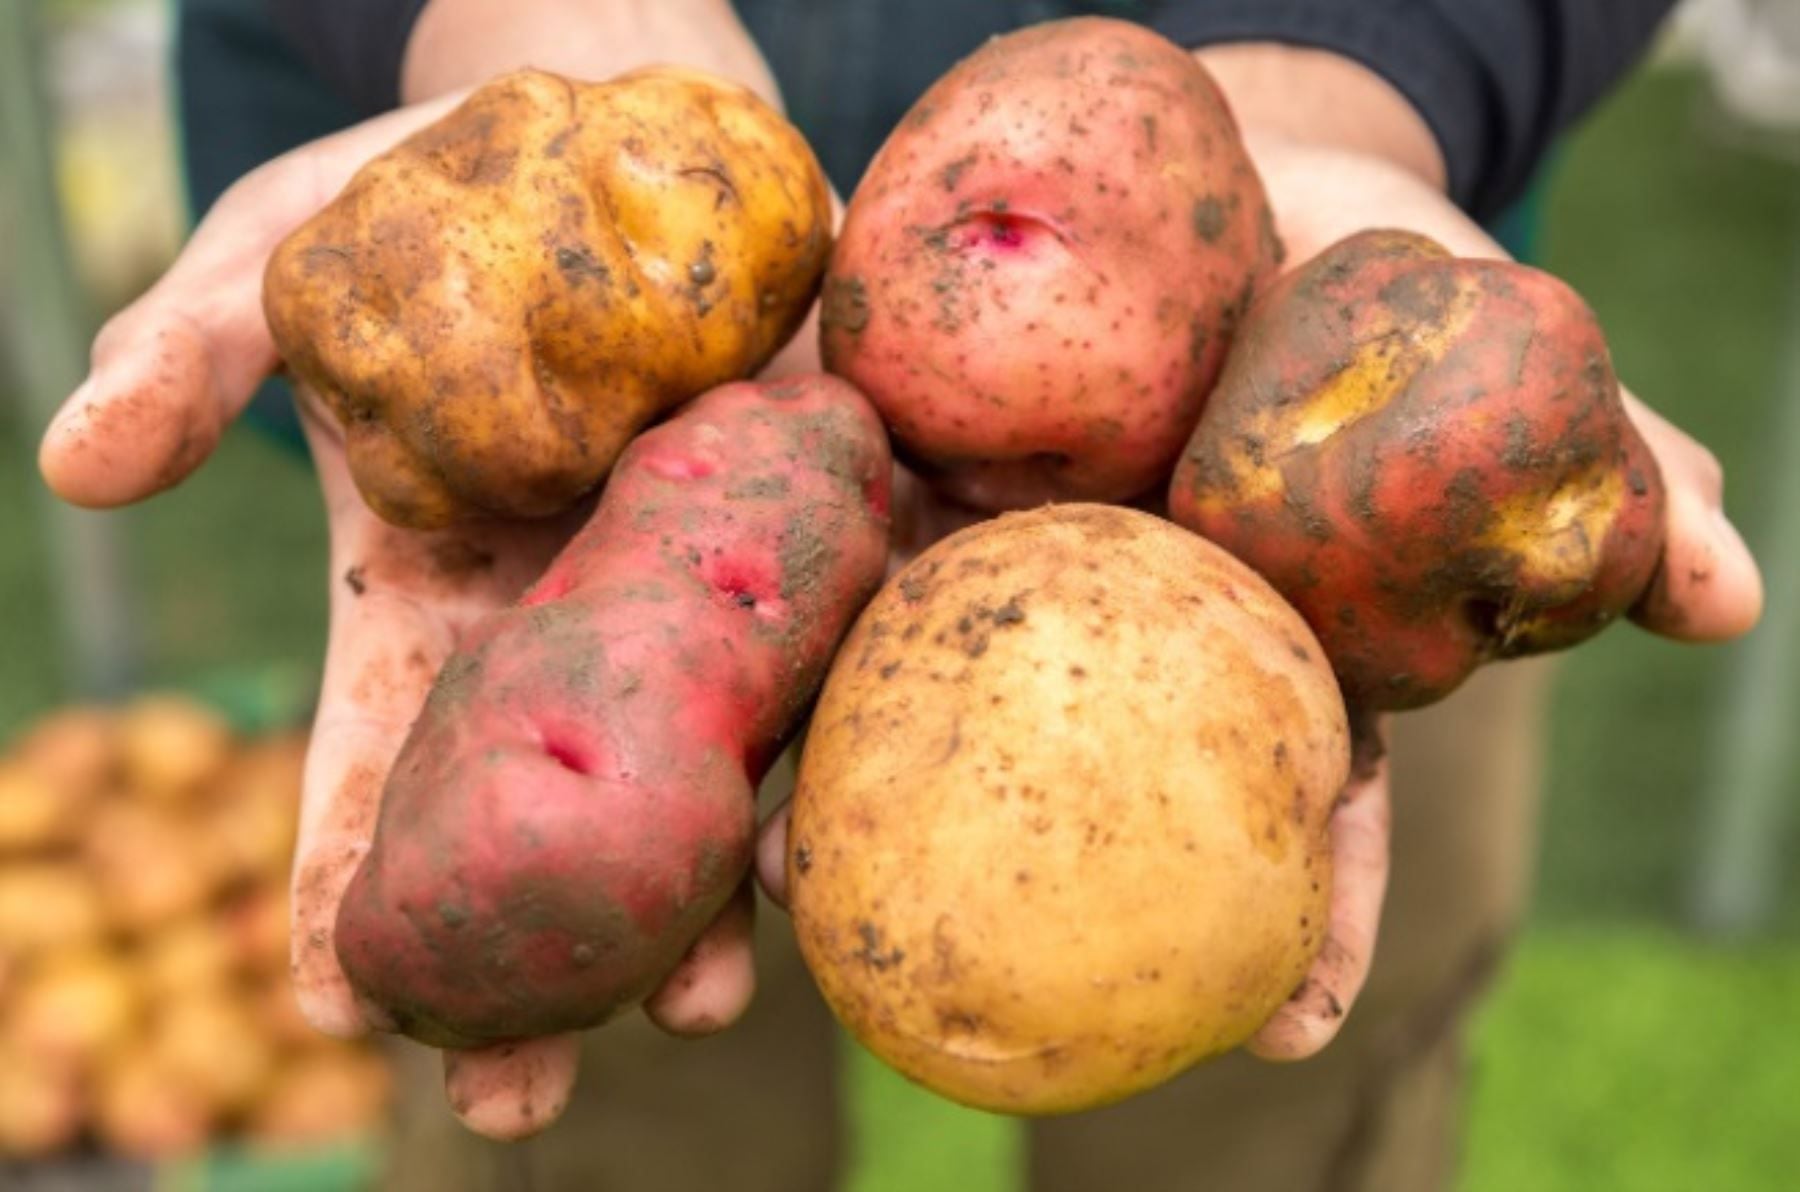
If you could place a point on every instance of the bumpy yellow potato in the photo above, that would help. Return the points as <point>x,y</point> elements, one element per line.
<point>1060,826</point>
<point>495,306</point>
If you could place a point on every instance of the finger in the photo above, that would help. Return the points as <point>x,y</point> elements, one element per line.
<point>398,602</point>
<point>382,653</point>
<point>1708,587</point>
<point>173,369</point>
<point>512,1090</point>
<point>771,855</point>
<point>380,663</point>
<point>712,986</point>
<point>1359,859</point>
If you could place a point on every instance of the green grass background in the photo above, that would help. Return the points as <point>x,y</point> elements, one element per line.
<point>1620,1053</point>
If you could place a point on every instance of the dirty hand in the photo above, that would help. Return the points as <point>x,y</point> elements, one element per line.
<point>169,374</point>
<point>1340,151</point>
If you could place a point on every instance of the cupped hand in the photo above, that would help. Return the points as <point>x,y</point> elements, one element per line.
<point>1706,589</point>
<point>169,374</point>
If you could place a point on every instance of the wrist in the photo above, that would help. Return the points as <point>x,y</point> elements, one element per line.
<point>459,43</point>
<point>1313,97</point>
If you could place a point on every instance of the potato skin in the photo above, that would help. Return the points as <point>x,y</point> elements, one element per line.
<point>1037,280</point>
<point>576,801</point>
<point>496,305</point>
<point>1429,458</point>
<point>1060,825</point>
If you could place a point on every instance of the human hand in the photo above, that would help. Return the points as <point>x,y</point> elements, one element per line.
<point>169,374</point>
<point>1339,151</point>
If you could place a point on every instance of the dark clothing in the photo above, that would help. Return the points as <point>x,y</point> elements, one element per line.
<point>1497,80</point>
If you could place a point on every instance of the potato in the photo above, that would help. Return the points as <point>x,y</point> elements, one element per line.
<point>75,749</point>
<point>1038,277</point>
<point>278,1016</point>
<point>150,865</point>
<point>575,803</point>
<point>257,923</point>
<point>196,955</point>
<point>40,1105</point>
<point>494,307</point>
<point>171,747</point>
<point>46,904</point>
<point>143,1110</point>
<point>251,821</point>
<point>211,1043</point>
<point>324,1095</point>
<point>1060,828</point>
<point>73,1006</point>
<point>34,814</point>
<point>1429,457</point>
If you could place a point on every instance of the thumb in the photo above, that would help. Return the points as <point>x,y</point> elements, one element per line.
<point>172,370</point>
<point>1708,587</point>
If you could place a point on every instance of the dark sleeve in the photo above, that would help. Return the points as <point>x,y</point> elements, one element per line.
<point>1497,80</point>
<point>355,46</point>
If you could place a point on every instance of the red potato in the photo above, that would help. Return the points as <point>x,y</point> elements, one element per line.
<point>1037,280</point>
<point>576,801</point>
<point>1428,456</point>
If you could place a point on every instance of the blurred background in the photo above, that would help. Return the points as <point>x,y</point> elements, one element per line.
<point>1644,1036</point>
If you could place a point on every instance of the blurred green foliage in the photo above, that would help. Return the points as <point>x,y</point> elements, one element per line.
<point>1634,1060</point>
<point>1687,250</point>
<point>230,567</point>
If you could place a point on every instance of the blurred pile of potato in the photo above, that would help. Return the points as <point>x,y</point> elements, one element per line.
<point>144,995</point>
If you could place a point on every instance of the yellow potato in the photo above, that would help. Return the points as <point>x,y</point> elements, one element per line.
<point>40,1105</point>
<point>150,865</point>
<point>258,924</point>
<point>75,749</point>
<point>171,747</point>
<point>1060,825</point>
<point>495,306</point>
<point>325,1094</point>
<point>193,956</point>
<point>71,1007</point>
<point>212,1044</point>
<point>46,904</point>
<point>278,1015</point>
<point>251,820</point>
<point>34,814</point>
<point>145,1110</point>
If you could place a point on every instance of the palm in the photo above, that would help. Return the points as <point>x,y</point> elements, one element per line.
<point>400,601</point>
